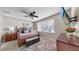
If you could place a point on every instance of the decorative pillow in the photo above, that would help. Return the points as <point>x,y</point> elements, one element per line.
<point>22,31</point>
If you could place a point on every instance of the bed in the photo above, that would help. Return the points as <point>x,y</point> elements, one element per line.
<point>27,38</point>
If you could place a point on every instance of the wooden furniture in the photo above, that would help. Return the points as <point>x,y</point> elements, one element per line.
<point>32,41</point>
<point>65,44</point>
<point>24,39</point>
<point>9,36</point>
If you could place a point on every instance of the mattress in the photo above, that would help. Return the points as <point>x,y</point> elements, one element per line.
<point>27,35</point>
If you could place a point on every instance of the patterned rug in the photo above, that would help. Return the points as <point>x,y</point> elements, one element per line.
<point>43,45</point>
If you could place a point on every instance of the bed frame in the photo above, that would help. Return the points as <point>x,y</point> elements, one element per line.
<point>24,40</point>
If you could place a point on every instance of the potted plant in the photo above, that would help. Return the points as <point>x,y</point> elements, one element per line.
<point>70,31</point>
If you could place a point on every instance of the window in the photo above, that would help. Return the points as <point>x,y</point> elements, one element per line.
<point>46,26</point>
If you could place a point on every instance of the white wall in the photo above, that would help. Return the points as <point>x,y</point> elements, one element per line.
<point>1,25</point>
<point>9,21</point>
<point>59,27</point>
<point>75,11</point>
<point>13,22</point>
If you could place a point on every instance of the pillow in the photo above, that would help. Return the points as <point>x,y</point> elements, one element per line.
<point>22,31</point>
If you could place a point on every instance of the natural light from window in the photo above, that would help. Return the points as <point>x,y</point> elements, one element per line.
<point>46,26</point>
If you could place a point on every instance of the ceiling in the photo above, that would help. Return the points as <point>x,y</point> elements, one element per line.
<point>42,12</point>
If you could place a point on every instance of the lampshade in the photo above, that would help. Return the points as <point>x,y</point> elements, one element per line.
<point>11,28</point>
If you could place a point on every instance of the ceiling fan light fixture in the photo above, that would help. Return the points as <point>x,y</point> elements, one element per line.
<point>30,14</point>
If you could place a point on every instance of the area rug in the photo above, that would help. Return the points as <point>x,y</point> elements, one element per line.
<point>43,45</point>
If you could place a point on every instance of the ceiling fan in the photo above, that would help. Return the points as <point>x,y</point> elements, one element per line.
<point>30,14</point>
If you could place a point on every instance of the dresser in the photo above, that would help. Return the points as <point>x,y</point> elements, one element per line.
<point>64,43</point>
<point>9,36</point>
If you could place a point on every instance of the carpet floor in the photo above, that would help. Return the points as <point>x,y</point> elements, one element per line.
<point>43,45</point>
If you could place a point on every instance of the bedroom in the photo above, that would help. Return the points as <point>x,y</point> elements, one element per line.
<point>18,18</point>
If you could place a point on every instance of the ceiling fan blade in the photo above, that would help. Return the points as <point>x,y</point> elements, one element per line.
<point>25,12</point>
<point>35,16</point>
